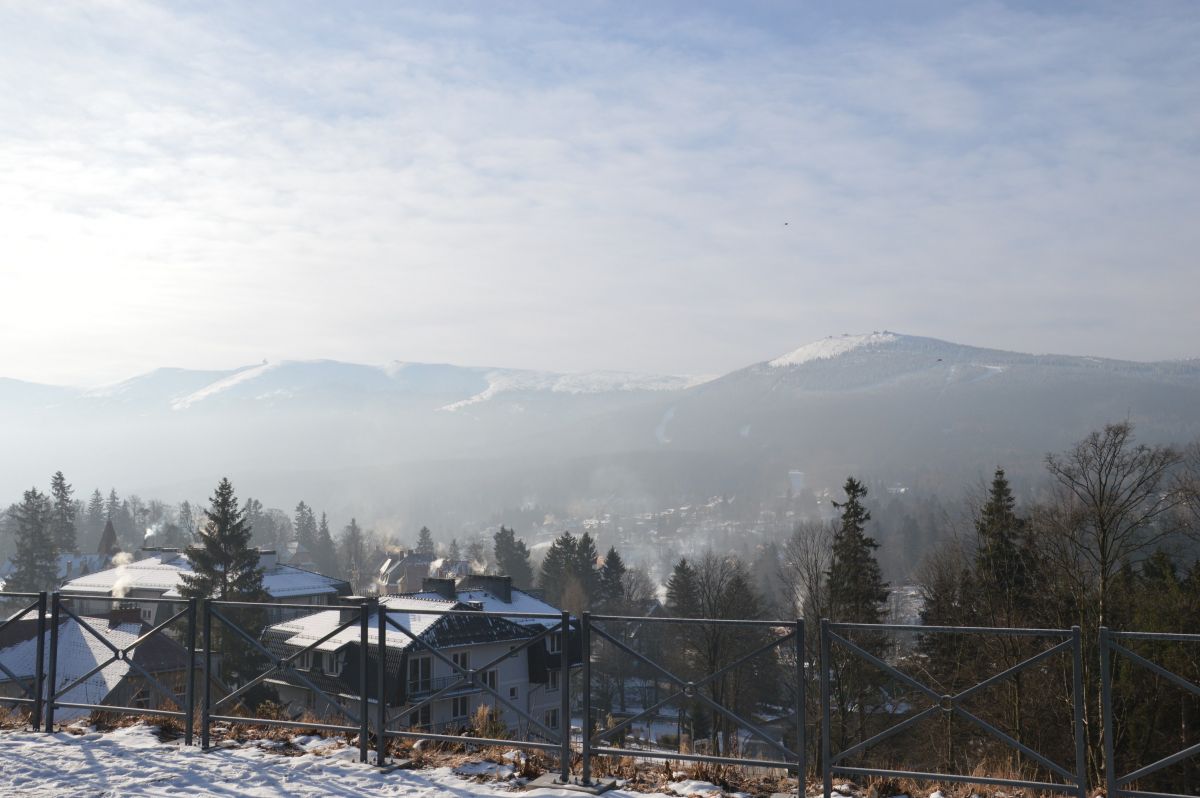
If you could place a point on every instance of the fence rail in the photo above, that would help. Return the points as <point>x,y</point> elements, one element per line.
<point>193,630</point>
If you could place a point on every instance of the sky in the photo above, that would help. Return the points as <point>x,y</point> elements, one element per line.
<point>675,187</point>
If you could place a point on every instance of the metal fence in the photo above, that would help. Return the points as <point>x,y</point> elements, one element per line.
<point>1075,781</point>
<point>189,637</point>
<point>1113,643</point>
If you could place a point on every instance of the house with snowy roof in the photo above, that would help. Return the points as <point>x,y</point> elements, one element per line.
<point>528,678</point>
<point>81,650</point>
<point>159,575</point>
<point>69,566</point>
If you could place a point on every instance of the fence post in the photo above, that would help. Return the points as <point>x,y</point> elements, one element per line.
<point>585,646</point>
<point>826,749</point>
<point>364,745</point>
<point>801,750</point>
<point>189,697</point>
<point>1106,715</point>
<point>564,707</point>
<point>381,702</point>
<point>206,708</point>
<point>1080,742</point>
<point>48,711</point>
<point>39,668</point>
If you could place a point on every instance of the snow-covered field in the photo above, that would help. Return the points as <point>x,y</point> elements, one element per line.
<point>133,761</point>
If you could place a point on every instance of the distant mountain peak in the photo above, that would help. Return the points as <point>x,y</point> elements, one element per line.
<point>833,346</point>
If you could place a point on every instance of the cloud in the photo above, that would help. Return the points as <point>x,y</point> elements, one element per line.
<point>522,187</point>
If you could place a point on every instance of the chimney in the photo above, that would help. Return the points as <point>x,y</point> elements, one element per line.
<point>267,559</point>
<point>124,615</point>
<point>348,611</point>
<point>498,586</point>
<point>443,587</point>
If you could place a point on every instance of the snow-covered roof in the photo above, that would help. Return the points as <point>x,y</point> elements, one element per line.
<point>310,628</point>
<point>521,602</point>
<point>161,573</point>
<point>79,651</point>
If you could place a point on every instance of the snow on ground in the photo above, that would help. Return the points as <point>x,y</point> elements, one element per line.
<point>134,762</point>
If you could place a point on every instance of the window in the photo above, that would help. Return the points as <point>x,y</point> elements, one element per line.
<point>513,693</point>
<point>554,643</point>
<point>420,718</point>
<point>462,659</point>
<point>551,718</point>
<point>331,663</point>
<point>460,707</point>
<point>304,661</point>
<point>489,678</point>
<point>552,684</point>
<point>420,673</point>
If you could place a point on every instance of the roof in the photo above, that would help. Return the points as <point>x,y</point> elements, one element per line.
<point>521,602</point>
<point>79,651</point>
<point>161,573</point>
<point>437,629</point>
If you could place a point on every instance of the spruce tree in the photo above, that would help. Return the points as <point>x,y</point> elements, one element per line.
<point>324,554</point>
<point>62,518</point>
<point>306,527</point>
<point>353,554</point>
<point>425,542</point>
<point>512,558</point>
<point>612,586</point>
<point>857,591</point>
<point>1001,560</point>
<point>35,562</point>
<point>452,552</point>
<point>558,568</point>
<point>584,570</point>
<point>223,564</point>
<point>683,591</point>
<point>95,515</point>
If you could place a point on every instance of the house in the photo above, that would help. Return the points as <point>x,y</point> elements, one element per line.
<point>530,678</point>
<point>159,575</point>
<point>403,572</point>
<point>70,566</point>
<point>81,650</point>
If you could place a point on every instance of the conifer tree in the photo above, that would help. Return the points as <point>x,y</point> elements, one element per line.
<point>558,567</point>
<point>109,545</point>
<point>62,517</point>
<point>35,563</point>
<point>512,558</point>
<point>95,514</point>
<point>857,591</point>
<point>324,554</point>
<point>425,542</point>
<point>583,569</point>
<point>187,522</point>
<point>223,564</point>
<point>452,552</point>
<point>353,554</point>
<point>1001,561</point>
<point>306,527</point>
<point>683,592</point>
<point>612,587</point>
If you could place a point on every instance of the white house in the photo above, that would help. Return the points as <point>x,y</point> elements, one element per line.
<point>530,678</point>
<point>159,575</point>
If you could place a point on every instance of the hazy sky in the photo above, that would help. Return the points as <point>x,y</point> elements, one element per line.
<point>682,187</point>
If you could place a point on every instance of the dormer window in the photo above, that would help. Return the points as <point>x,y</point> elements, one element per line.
<point>331,663</point>
<point>554,643</point>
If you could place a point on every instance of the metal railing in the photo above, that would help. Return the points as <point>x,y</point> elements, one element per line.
<point>593,742</point>
<point>196,628</point>
<point>1074,781</point>
<point>1111,642</point>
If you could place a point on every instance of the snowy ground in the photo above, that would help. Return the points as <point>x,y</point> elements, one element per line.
<point>133,761</point>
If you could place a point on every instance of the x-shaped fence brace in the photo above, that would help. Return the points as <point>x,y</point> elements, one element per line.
<point>282,665</point>
<point>692,690</point>
<point>119,654</point>
<point>33,692</point>
<point>473,677</point>
<point>1116,784</point>
<point>950,705</point>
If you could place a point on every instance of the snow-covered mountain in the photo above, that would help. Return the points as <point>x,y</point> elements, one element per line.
<point>878,402</point>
